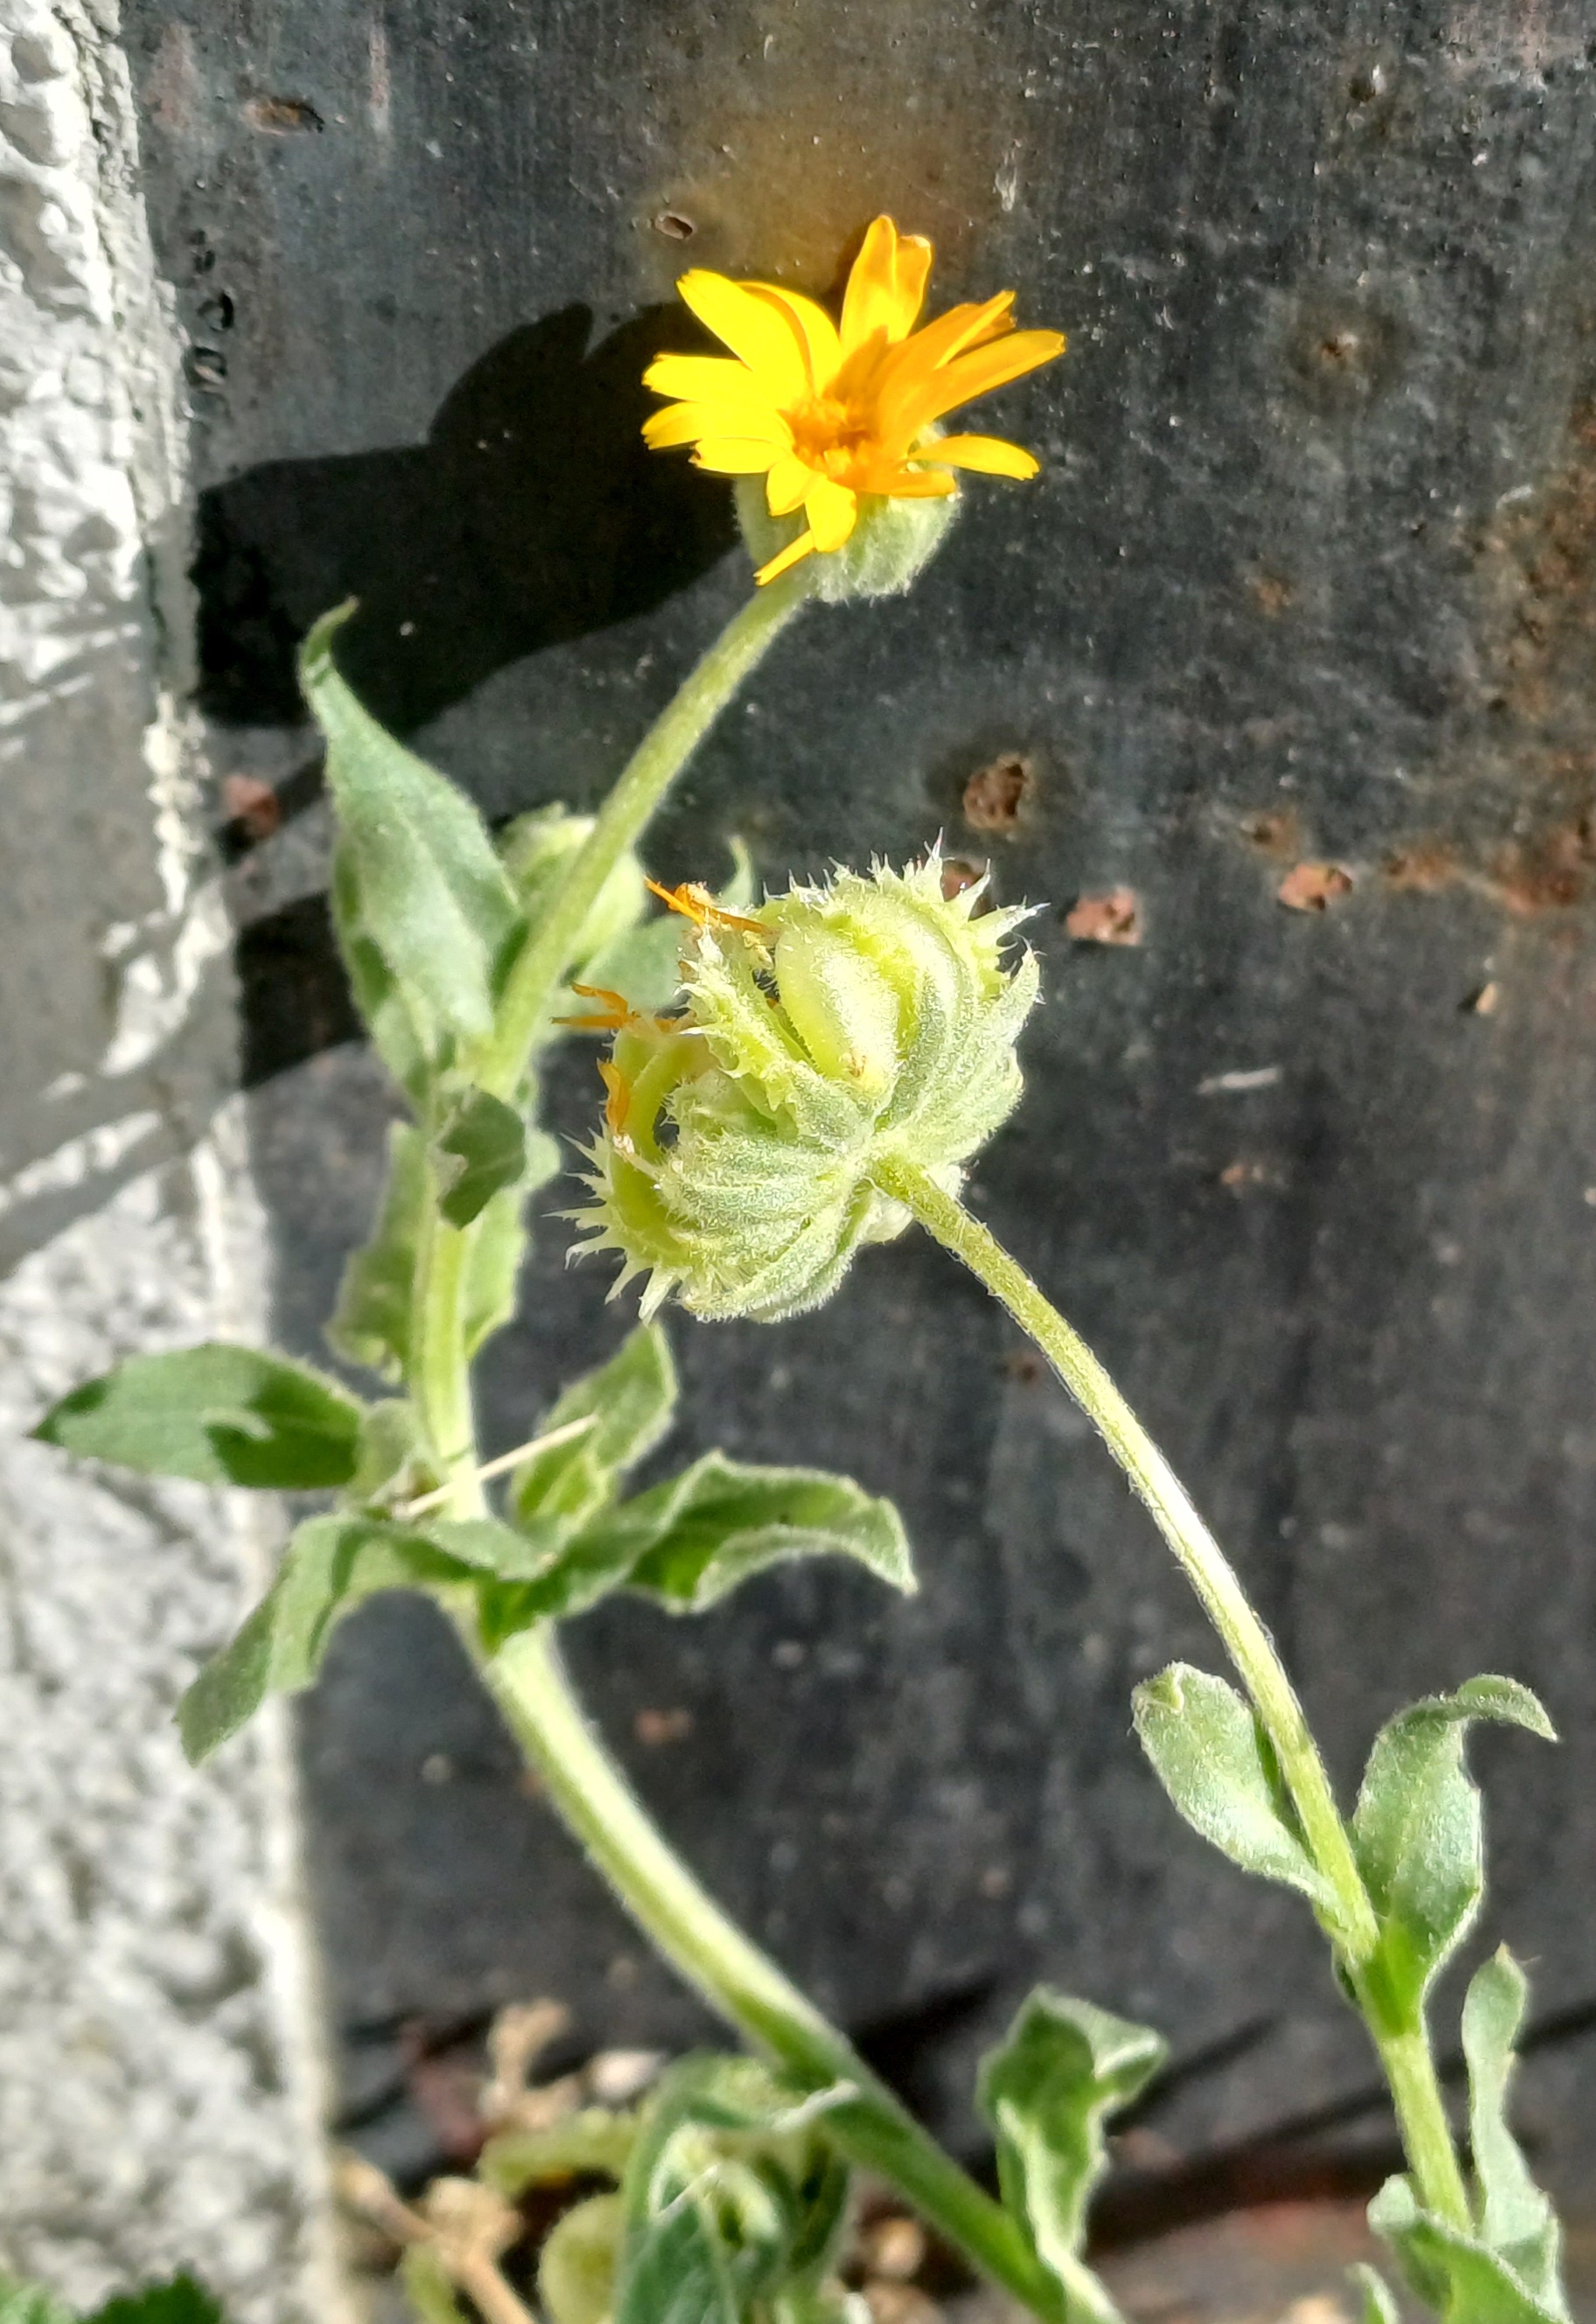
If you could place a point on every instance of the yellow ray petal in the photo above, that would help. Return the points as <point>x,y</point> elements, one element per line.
<point>977,374</point>
<point>757,329</point>
<point>823,349</point>
<point>788,483</point>
<point>886,285</point>
<point>833,511</point>
<point>902,371</point>
<point>735,456</point>
<point>907,483</point>
<point>990,454</point>
<point>684,423</point>
<point>785,557</point>
<point>704,379</point>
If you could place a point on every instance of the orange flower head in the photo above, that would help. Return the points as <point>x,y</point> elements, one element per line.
<point>831,414</point>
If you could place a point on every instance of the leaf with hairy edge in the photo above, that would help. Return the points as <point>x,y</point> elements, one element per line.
<point>631,1399</point>
<point>395,1036</point>
<point>480,1150</point>
<point>371,1323</point>
<point>1418,1831</point>
<point>331,1565</point>
<point>1065,2067</point>
<point>1376,2302</point>
<point>1516,2219</point>
<point>731,2194</point>
<point>433,896</point>
<point>1453,2273</point>
<point>223,1415</point>
<point>703,1532</point>
<point>1215,1760</point>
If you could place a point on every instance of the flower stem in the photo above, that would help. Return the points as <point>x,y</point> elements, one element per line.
<point>1206,1568</point>
<point>713,1956</point>
<point>546,957</point>
<point>1405,2053</point>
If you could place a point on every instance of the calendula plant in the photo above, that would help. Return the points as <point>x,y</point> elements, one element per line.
<point>788,1081</point>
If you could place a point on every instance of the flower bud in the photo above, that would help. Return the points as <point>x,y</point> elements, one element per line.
<point>867,1020</point>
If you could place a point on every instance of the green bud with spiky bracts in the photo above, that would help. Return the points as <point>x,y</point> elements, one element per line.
<point>869,1019</point>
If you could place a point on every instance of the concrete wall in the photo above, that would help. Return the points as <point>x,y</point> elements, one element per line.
<point>159,2092</point>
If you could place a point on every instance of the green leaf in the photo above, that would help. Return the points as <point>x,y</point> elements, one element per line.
<point>371,1323</point>
<point>486,1545</point>
<point>389,1462</point>
<point>180,2301</point>
<point>732,2193</point>
<point>694,1539</point>
<point>493,1265</point>
<point>396,1035</point>
<point>1065,2067</point>
<point>223,1415</point>
<point>700,1534</point>
<point>429,2287</point>
<point>1516,2219</point>
<point>1215,1760</point>
<point>576,2266</point>
<point>1376,2302</point>
<point>31,2303</point>
<point>1419,1835</point>
<point>632,1395</point>
<point>331,1565</point>
<point>591,2143</point>
<point>1453,2273</point>
<point>432,895</point>
<point>480,1150</point>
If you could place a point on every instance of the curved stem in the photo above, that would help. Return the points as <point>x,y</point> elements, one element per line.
<point>1405,2051</point>
<point>743,1986</point>
<point>542,967</point>
<point>1205,1565</point>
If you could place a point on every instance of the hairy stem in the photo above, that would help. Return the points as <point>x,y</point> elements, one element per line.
<point>1405,2055</point>
<point>647,774</point>
<point>737,1980</point>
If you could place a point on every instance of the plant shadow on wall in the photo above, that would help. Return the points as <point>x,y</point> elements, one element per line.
<point>532,515</point>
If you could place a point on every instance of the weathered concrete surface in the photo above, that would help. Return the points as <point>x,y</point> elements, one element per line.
<point>159,2105</point>
<point>1310,579</point>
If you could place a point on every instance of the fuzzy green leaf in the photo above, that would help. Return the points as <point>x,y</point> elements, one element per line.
<point>633,1397</point>
<point>330,1565</point>
<point>1215,1760</point>
<point>222,1414</point>
<point>1376,2302</point>
<point>429,2287</point>
<point>31,2303</point>
<point>1065,2067</point>
<point>480,1150</point>
<point>1455,2274</point>
<point>498,1248</point>
<point>1418,1831</point>
<point>731,2193</point>
<point>697,1537</point>
<point>1516,2219</point>
<point>591,2143</point>
<point>180,2301</point>
<point>371,1323</point>
<point>396,1036</point>
<point>433,897</point>
<point>576,2266</point>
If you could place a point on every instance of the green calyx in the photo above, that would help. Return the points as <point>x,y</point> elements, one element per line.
<point>869,1019</point>
<point>892,542</point>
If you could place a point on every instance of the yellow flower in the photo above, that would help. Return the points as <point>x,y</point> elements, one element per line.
<point>830,415</point>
